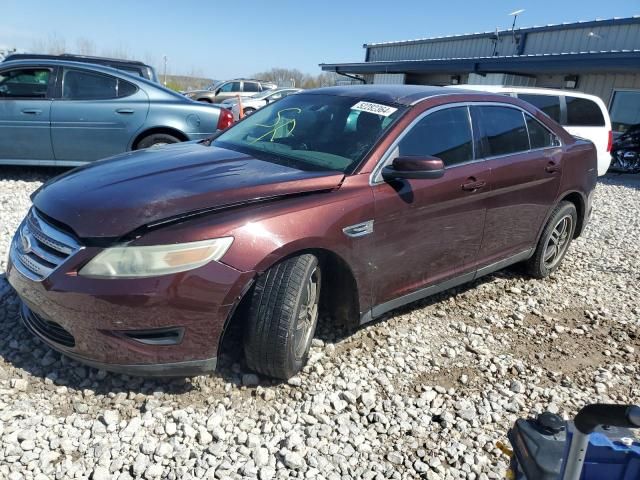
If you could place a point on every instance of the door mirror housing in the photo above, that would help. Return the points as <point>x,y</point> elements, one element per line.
<point>417,167</point>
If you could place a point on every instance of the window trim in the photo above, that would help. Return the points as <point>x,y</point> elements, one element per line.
<point>50,83</point>
<point>375,177</point>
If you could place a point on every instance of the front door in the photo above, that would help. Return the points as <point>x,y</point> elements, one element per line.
<point>429,231</point>
<point>25,107</point>
<point>525,159</point>
<point>95,116</point>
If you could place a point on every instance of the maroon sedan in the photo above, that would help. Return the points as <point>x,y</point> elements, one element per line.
<point>355,200</point>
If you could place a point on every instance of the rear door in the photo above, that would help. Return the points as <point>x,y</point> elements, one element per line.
<point>25,107</point>
<point>429,230</point>
<point>95,115</point>
<point>525,159</point>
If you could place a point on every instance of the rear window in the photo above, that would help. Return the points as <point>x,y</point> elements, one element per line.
<point>582,112</point>
<point>504,129</point>
<point>539,135</point>
<point>549,104</point>
<point>83,85</point>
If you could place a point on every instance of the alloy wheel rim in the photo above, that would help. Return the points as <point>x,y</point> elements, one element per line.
<point>558,242</point>
<point>307,314</point>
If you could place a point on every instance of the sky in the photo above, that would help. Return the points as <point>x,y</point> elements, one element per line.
<point>222,40</point>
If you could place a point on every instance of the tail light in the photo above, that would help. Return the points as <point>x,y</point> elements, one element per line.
<point>225,119</point>
<point>610,141</point>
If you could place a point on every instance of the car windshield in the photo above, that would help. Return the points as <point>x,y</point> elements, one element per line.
<point>313,131</point>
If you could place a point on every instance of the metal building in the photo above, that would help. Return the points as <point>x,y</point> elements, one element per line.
<point>601,57</point>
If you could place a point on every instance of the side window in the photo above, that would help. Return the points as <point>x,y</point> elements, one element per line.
<point>539,135</point>
<point>251,87</point>
<point>83,85</point>
<point>582,112</point>
<point>24,83</point>
<point>549,104</point>
<point>230,87</point>
<point>504,129</point>
<point>445,134</point>
<point>126,89</point>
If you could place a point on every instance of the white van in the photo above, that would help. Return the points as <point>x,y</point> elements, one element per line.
<point>580,114</point>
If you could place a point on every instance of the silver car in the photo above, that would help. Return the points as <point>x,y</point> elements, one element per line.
<point>64,113</point>
<point>259,100</point>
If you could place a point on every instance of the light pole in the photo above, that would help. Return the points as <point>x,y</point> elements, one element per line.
<point>165,58</point>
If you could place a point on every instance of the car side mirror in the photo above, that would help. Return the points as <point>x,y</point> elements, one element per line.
<point>418,167</point>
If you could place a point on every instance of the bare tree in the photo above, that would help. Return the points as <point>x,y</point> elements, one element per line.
<point>287,77</point>
<point>85,46</point>
<point>52,45</point>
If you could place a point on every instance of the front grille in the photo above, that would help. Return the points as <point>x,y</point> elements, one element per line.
<point>47,329</point>
<point>38,248</point>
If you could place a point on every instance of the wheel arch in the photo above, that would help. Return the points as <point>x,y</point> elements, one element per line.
<point>579,202</point>
<point>339,297</point>
<point>162,129</point>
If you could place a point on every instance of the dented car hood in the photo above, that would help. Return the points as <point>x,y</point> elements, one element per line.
<point>111,198</point>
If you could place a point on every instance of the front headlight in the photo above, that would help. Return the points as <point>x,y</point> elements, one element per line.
<point>133,262</point>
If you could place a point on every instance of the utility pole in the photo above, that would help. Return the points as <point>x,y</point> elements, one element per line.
<point>165,58</point>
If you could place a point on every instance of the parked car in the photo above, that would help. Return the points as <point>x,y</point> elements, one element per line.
<point>626,151</point>
<point>131,67</point>
<point>259,100</point>
<point>582,115</point>
<point>55,112</point>
<point>289,213</point>
<point>220,91</point>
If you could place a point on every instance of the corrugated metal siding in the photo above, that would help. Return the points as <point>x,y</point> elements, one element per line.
<point>389,78</point>
<point>614,37</point>
<point>472,47</point>
<point>598,38</point>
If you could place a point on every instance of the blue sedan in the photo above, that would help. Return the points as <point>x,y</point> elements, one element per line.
<point>65,113</point>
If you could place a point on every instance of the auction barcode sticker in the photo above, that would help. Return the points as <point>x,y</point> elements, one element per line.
<point>376,108</point>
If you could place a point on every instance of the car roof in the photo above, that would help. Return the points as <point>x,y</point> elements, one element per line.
<point>70,63</point>
<point>529,90</point>
<point>73,57</point>
<point>398,94</point>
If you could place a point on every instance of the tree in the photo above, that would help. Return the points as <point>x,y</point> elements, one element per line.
<point>84,46</point>
<point>287,77</point>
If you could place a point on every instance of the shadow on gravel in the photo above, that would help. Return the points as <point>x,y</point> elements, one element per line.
<point>20,348</point>
<point>628,180</point>
<point>28,173</point>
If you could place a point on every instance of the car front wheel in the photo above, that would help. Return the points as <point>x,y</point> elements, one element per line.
<point>554,241</point>
<point>283,315</point>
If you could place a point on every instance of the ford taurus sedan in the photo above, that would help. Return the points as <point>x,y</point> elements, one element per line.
<point>55,112</point>
<point>292,211</point>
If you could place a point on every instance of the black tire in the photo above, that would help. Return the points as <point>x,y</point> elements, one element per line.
<point>156,139</point>
<point>248,111</point>
<point>553,244</point>
<point>274,343</point>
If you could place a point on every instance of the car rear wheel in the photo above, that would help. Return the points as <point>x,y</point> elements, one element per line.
<point>248,111</point>
<point>554,241</point>
<point>156,140</point>
<point>283,315</point>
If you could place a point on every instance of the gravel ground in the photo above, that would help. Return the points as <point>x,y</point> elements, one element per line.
<point>426,392</point>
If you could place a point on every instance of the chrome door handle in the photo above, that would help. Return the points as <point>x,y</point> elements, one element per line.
<point>125,111</point>
<point>31,111</point>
